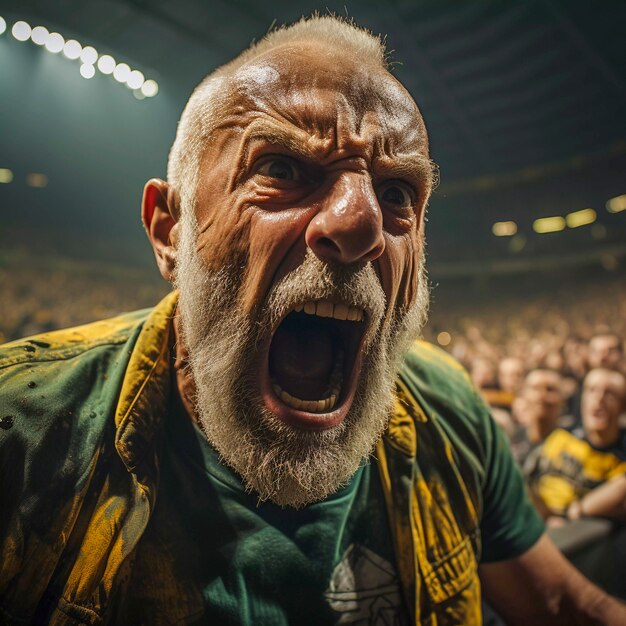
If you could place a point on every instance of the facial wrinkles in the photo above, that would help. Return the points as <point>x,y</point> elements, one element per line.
<point>348,105</point>
<point>290,467</point>
<point>328,126</point>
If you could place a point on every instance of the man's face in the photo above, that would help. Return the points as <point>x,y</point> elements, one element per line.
<point>605,351</point>
<point>602,402</point>
<point>309,209</point>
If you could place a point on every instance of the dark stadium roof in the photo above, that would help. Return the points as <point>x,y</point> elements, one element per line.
<point>502,85</point>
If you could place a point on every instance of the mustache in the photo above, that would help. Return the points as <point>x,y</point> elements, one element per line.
<point>315,279</point>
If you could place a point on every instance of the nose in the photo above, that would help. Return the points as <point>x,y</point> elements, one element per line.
<point>348,228</point>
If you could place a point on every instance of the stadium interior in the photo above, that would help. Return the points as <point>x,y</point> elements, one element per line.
<point>526,230</point>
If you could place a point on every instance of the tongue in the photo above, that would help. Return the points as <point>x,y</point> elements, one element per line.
<point>301,357</point>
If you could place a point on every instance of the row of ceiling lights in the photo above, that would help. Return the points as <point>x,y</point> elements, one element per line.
<point>557,223</point>
<point>87,55</point>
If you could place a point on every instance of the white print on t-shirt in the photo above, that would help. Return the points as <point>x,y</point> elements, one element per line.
<point>364,589</point>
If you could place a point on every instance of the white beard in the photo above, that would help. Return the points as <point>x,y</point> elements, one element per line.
<point>277,462</point>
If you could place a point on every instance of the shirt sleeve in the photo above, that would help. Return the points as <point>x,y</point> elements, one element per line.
<point>511,524</point>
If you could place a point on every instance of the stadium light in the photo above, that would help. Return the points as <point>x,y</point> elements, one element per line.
<point>504,229</point>
<point>150,88</point>
<point>21,31</point>
<point>549,224</point>
<point>106,64</point>
<point>121,72</point>
<point>617,204</point>
<point>580,218</point>
<point>72,49</point>
<point>39,181</point>
<point>135,80</point>
<point>54,43</point>
<point>39,35</point>
<point>444,338</point>
<point>88,55</point>
<point>87,70</point>
<point>6,175</point>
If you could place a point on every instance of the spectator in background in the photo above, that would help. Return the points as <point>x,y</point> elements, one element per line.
<point>572,465</point>
<point>575,356</point>
<point>511,374</point>
<point>537,411</point>
<point>484,374</point>
<point>606,350</point>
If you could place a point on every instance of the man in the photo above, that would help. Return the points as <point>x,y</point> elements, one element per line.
<point>511,374</point>
<point>537,411</point>
<point>606,350</point>
<point>573,466</point>
<point>207,462</point>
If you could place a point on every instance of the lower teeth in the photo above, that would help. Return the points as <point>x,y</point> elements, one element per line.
<point>317,406</point>
<point>312,406</point>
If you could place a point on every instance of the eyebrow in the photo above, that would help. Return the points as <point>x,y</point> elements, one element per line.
<point>293,139</point>
<point>414,166</point>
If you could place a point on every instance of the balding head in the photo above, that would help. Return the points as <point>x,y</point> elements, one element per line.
<point>275,60</point>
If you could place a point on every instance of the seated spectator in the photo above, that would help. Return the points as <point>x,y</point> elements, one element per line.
<point>511,374</point>
<point>572,465</point>
<point>510,380</point>
<point>606,350</point>
<point>537,411</point>
<point>484,373</point>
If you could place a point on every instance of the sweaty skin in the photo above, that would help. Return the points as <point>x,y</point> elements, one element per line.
<point>346,135</point>
<point>317,155</point>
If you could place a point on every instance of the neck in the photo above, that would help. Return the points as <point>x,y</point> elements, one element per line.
<point>602,439</point>
<point>538,431</point>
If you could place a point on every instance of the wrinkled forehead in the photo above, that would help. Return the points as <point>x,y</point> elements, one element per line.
<point>319,90</point>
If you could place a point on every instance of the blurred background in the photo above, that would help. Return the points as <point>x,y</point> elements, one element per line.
<point>524,103</point>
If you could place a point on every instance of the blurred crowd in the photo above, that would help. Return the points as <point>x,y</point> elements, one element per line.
<point>38,299</point>
<point>551,365</point>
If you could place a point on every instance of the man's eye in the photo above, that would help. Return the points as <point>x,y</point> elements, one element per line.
<point>280,169</point>
<point>397,194</point>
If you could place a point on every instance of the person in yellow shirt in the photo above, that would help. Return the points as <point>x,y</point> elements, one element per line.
<point>577,467</point>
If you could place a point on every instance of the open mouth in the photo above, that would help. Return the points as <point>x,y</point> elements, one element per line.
<point>312,364</point>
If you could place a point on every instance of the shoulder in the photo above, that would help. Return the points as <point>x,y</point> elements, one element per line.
<point>61,345</point>
<point>58,391</point>
<point>434,365</point>
<point>443,385</point>
<point>70,362</point>
<point>620,448</point>
<point>563,437</point>
<point>453,407</point>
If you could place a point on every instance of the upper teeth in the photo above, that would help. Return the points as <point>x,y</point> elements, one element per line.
<point>338,310</point>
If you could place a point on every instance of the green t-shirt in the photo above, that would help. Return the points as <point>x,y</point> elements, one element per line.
<point>213,555</point>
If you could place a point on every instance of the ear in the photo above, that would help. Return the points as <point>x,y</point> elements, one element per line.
<point>160,213</point>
